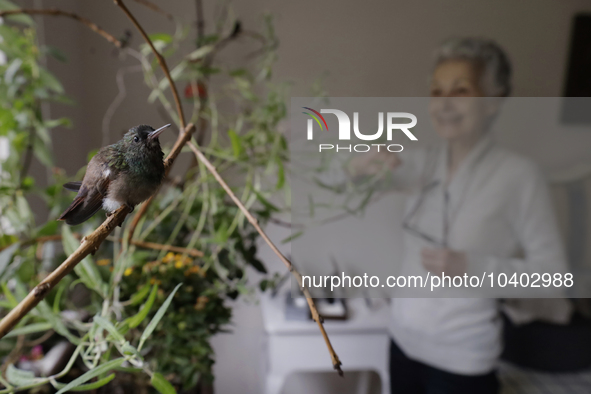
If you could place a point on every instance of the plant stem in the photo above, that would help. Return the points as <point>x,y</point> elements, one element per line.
<point>142,244</point>
<point>55,12</point>
<point>155,8</point>
<point>167,248</point>
<point>200,21</point>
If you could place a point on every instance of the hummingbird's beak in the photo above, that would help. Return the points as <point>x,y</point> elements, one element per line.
<point>156,133</point>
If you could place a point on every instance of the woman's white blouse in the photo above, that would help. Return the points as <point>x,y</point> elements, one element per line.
<point>497,207</point>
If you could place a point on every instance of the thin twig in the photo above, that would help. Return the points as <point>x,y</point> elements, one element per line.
<point>55,12</point>
<point>283,223</point>
<point>42,239</point>
<point>118,100</point>
<point>169,248</point>
<point>160,60</point>
<point>14,353</point>
<point>142,244</point>
<point>155,8</point>
<point>200,22</point>
<point>315,315</point>
<point>40,340</point>
<point>89,244</point>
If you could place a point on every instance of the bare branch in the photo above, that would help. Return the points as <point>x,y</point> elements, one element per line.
<point>315,315</point>
<point>155,246</point>
<point>89,244</point>
<point>55,12</point>
<point>200,21</point>
<point>155,8</point>
<point>147,245</point>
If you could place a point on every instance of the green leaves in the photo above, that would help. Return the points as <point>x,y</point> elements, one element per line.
<point>29,329</point>
<point>50,81</point>
<point>12,69</point>
<point>136,320</point>
<point>107,325</point>
<point>161,384</point>
<point>200,53</point>
<point>140,295</point>
<point>18,377</point>
<point>6,257</point>
<point>86,269</point>
<point>89,386</point>
<point>49,228</point>
<point>156,319</point>
<point>235,140</point>
<point>165,38</point>
<point>101,369</point>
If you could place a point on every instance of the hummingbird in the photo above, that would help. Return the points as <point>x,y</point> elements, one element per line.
<point>125,173</point>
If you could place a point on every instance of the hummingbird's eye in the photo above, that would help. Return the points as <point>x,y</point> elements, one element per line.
<point>136,138</point>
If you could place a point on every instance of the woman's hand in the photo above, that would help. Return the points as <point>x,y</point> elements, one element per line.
<point>443,260</point>
<point>372,163</point>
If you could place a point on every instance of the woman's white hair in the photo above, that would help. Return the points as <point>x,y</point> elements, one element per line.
<point>496,75</point>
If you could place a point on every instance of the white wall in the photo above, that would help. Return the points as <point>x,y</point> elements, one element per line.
<point>366,48</point>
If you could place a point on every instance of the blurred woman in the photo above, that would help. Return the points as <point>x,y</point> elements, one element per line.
<point>476,207</point>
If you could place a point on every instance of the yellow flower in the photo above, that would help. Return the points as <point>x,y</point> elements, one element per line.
<point>178,259</point>
<point>178,264</point>
<point>103,262</point>
<point>128,271</point>
<point>193,270</point>
<point>201,302</point>
<point>168,258</point>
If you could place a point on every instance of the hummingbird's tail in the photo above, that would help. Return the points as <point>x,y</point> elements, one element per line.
<point>73,186</point>
<point>82,208</point>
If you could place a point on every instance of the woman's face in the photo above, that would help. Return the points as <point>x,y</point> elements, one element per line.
<point>457,108</point>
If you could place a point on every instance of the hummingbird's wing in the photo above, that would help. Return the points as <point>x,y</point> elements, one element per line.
<point>89,198</point>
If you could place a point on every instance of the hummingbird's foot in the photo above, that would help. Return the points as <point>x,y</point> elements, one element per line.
<point>130,207</point>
